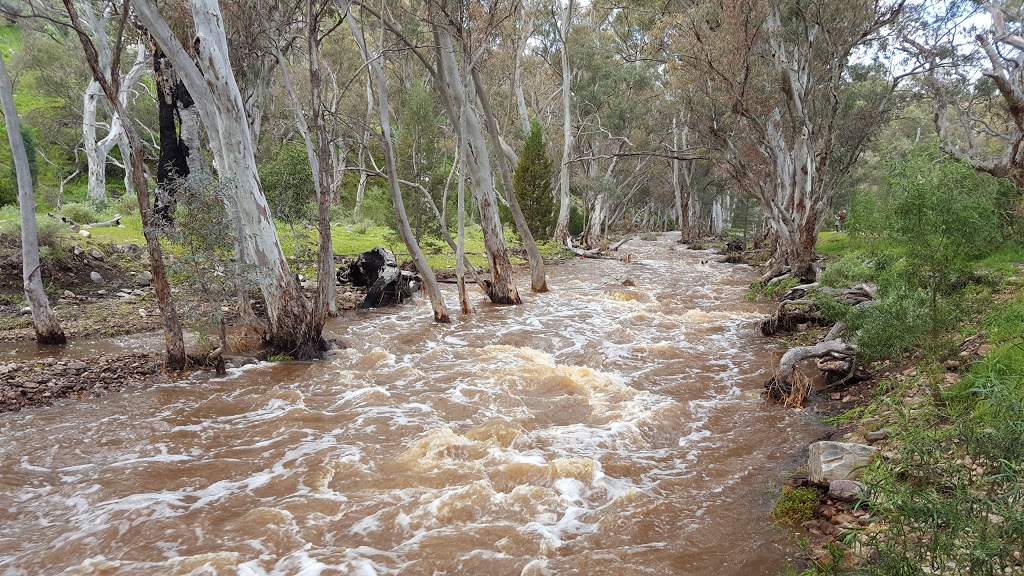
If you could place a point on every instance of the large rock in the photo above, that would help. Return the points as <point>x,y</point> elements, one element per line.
<point>96,277</point>
<point>144,278</point>
<point>828,461</point>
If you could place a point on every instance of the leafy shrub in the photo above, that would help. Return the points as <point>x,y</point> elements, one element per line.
<point>955,492</point>
<point>80,213</point>
<point>125,204</point>
<point>846,272</point>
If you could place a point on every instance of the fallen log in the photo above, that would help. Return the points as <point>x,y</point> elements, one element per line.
<point>378,271</point>
<point>115,221</point>
<point>595,253</point>
<point>790,386</point>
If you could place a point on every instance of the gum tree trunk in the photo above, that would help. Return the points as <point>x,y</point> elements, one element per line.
<point>426,273</point>
<point>562,224</point>
<point>169,316</point>
<point>502,289</point>
<point>538,278</point>
<point>48,330</point>
<point>292,328</point>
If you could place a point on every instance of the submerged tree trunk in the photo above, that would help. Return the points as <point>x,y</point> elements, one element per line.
<point>538,278</point>
<point>502,289</point>
<point>562,224</point>
<point>293,329</point>
<point>48,330</point>
<point>426,273</point>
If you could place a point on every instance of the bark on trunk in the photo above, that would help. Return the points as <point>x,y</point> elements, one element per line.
<point>502,289</point>
<point>172,327</point>
<point>47,327</point>
<point>172,165</point>
<point>405,231</point>
<point>538,278</point>
<point>292,326</point>
<point>562,224</point>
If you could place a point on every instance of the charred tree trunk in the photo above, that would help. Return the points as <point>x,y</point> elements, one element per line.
<point>293,329</point>
<point>172,327</point>
<point>172,165</point>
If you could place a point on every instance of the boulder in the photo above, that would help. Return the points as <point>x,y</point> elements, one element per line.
<point>96,277</point>
<point>144,278</point>
<point>846,490</point>
<point>97,255</point>
<point>828,461</point>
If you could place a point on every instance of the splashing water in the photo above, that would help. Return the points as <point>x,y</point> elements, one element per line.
<point>596,429</point>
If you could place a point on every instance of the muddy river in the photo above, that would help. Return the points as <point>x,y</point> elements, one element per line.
<point>598,429</point>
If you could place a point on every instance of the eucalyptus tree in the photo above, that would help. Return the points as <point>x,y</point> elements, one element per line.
<point>47,327</point>
<point>771,80</point>
<point>108,82</point>
<point>564,28</point>
<point>97,149</point>
<point>209,77</point>
<point>404,230</point>
<point>979,119</point>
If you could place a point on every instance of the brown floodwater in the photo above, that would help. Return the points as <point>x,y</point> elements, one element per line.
<point>597,429</point>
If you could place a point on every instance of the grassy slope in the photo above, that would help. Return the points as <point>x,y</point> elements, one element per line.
<point>951,489</point>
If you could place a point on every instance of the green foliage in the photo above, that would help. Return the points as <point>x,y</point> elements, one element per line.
<point>80,213</point>
<point>532,183</point>
<point>288,183</point>
<point>795,506</point>
<point>848,271</point>
<point>773,290</point>
<point>954,493</point>
<point>280,358</point>
<point>935,218</point>
<point>52,234</point>
<point>577,222</point>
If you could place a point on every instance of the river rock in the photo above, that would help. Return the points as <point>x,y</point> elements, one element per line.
<point>847,490</point>
<point>97,255</point>
<point>96,277</point>
<point>144,278</point>
<point>828,461</point>
<point>877,436</point>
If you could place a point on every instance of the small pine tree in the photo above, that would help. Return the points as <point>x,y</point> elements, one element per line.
<point>532,183</point>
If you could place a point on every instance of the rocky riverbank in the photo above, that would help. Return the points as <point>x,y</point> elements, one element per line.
<point>42,381</point>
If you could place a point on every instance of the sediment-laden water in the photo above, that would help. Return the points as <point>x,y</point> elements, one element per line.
<point>598,429</point>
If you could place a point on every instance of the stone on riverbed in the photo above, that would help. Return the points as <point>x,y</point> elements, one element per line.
<point>847,490</point>
<point>828,461</point>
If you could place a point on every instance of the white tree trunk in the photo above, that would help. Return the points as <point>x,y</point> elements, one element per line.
<point>364,151</point>
<point>98,150</point>
<point>426,273</point>
<point>292,327</point>
<point>48,330</point>
<point>502,288</point>
<point>562,224</point>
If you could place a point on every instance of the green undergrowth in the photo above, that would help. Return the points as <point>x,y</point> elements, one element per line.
<point>795,506</point>
<point>947,332</point>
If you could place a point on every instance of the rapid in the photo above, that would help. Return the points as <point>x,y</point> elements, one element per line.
<point>598,429</point>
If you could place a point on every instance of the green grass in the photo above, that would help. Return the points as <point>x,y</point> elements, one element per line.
<point>795,506</point>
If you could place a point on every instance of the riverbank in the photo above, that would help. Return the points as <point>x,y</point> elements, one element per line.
<point>941,419</point>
